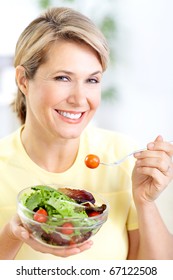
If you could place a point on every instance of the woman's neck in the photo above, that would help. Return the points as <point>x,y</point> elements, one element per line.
<point>52,155</point>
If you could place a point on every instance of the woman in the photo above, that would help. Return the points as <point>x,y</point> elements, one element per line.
<point>60,59</point>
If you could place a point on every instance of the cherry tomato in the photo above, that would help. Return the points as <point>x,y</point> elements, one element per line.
<point>67,228</point>
<point>92,161</point>
<point>93,214</point>
<point>41,215</point>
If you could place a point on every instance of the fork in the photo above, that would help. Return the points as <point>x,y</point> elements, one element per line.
<point>125,157</point>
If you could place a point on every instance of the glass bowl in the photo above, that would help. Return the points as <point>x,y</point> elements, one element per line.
<point>58,220</point>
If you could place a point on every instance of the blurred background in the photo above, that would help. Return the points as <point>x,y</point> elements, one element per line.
<point>137,97</point>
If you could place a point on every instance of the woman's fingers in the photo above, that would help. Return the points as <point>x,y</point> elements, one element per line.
<point>158,155</point>
<point>159,145</point>
<point>153,170</point>
<point>19,232</point>
<point>159,160</point>
<point>61,252</point>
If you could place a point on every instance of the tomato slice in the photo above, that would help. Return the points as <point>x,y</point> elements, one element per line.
<point>67,228</point>
<point>41,215</point>
<point>92,161</point>
<point>93,214</point>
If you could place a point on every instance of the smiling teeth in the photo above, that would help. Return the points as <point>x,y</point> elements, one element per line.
<point>70,116</point>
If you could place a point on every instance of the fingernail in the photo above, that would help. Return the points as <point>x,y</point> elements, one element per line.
<point>138,162</point>
<point>24,235</point>
<point>137,154</point>
<point>151,146</point>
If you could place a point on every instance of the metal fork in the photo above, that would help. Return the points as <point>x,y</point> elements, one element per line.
<point>125,157</point>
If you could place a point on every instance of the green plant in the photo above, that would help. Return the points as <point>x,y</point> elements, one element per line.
<point>47,3</point>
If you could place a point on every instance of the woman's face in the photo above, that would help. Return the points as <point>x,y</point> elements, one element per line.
<point>65,92</point>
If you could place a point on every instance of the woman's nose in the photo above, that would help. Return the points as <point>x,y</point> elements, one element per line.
<point>77,95</point>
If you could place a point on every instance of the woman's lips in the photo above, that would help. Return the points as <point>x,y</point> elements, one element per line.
<point>68,115</point>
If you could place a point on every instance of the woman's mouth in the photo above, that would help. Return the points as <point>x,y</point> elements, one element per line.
<point>71,116</point>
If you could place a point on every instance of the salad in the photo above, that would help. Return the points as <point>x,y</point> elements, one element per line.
<point>60,217</point>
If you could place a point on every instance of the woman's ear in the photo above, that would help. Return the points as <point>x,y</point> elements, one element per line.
<point>21,79</point>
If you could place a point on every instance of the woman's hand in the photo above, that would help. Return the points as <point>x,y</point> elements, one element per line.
<point>20,233</point>
<point>153,171</point>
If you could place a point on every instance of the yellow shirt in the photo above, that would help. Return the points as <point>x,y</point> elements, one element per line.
<point>114,183</point>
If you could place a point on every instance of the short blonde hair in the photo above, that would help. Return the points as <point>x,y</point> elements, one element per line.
<point>38,37</point>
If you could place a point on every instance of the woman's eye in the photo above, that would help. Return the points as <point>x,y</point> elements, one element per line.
<point>61,78</point>
<point>93,81</point>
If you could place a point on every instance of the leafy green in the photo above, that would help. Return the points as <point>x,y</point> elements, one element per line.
<point>57,204</point>
<point>33,201</point>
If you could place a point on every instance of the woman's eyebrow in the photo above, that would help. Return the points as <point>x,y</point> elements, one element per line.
<point>96,72</point>
<point>72,73</point>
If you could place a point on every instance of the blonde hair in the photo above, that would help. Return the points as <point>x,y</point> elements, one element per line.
<point>37,38</point>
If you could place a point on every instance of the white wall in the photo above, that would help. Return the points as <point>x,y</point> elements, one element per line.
<point>144,70</point>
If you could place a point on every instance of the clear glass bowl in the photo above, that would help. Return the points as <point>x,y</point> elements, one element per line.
<point>62,232</point>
